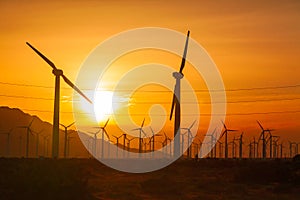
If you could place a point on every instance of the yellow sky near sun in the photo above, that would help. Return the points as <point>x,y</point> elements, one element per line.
<point>254,44</point>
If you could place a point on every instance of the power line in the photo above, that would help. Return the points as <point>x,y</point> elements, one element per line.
<point>196,90</point>
<point>165,102</point>
<point>201,114</point>
<point>25,97</point>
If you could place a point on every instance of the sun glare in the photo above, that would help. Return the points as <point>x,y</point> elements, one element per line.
<point>103,105</point>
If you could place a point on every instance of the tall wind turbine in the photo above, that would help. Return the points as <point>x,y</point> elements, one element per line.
<point>263,138</point>
<point>66,137</point>
<point>28,129</point>
<point>176,100</point>
<point>190,136</point>
<point>58,73</point>
<point>225,133</point>
<point>140,136</point>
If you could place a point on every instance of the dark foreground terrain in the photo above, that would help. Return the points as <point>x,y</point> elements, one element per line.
<point>184,179</point>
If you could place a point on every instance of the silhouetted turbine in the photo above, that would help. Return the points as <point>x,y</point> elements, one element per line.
<point>58,73</point>
<point>176,100</point>
<point>27,136</point>
<point>225,133</point>
<point>66,137</point>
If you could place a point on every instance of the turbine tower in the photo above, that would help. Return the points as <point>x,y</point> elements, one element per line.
<point>57,73</point>
<point>176,101</point>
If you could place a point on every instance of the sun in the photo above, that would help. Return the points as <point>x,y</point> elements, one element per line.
<point>103,105</point>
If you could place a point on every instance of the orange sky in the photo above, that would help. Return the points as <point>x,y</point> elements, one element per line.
<point>254,44</point>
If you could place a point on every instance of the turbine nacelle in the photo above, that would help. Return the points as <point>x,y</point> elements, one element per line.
<point>57,72</point>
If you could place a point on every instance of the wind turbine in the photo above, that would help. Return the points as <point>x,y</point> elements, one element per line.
<point>66,137</point>
<point>140,136</point>
<point>225,133</point>
<point>103,131</point>
<point>241,145</point>
<point>275,146</point>
<point>58,73</point>
<point>165,143</point>
<point>37,142</point>
<point>255,148</point>
<point>176,100</point>
<point>152,139</point>
<point>190,135</point>
<point>271,143</point>
<point>8,141</point>
<point>95,141</point>
<point>212,140</point>
<point>28,129</point>
<point>263,138</point>
<point>117,138</point>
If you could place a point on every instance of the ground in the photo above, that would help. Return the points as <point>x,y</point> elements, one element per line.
<point>184,179</point>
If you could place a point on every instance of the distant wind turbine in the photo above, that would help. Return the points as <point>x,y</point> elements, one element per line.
<point>28,129</point>
<point>152,139</point>
<point>37,142</point>
<point>58,73</point>
<point>66,137</point>
<point>103,131</point>
<point>263,138</point>
<point>140,135</point>
<point>176,101</point>
<point>225,133</point>
<point>8,141</point>
<point>117,139</point>
<point>190,136</point>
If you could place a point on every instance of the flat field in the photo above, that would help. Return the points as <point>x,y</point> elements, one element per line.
<point>185,179</point>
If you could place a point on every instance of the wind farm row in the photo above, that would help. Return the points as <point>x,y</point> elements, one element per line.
<point>231,144</point>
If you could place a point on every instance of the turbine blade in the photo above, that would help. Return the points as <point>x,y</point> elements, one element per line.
<point>62,125</point>
<point>31,122</point>
<point>143,123</point>
<point>135,129</point>
<point>41,55</point>
<point>106,123</point>
<point>144,132</point>
<point>231,130</point>
<point>70,125</point>
<point>173,105</point>
<point>107,134</point>
<point>224,125</point>
<point>260,125</point>
<point>151,130</point>
<point>192,124</point>
<point>184,52</point>
<point>75,88</point>
<point>223,133</point>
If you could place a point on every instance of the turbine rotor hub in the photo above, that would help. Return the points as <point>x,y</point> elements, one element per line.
<point>57,72</point>
<point>177,75</point>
